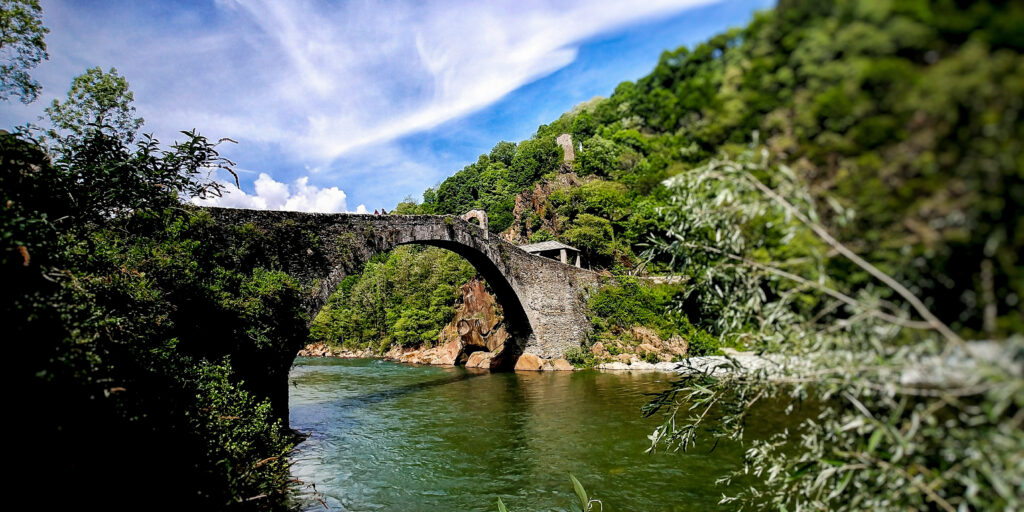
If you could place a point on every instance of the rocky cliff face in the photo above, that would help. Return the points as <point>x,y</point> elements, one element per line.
<point>530,213</point>
<point>477,335</point>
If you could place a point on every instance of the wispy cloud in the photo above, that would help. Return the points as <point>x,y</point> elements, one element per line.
<point>324,85</point>
<point>367,73</point>
<point>328,77</point>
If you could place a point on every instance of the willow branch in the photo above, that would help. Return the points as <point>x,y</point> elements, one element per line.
<point>822,233</point>
<point>846,299</point>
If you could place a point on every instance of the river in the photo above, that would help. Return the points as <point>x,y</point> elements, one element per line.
<point>386,436</point>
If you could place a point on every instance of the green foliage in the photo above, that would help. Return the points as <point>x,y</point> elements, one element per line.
<point>22,46</point>
<point>607,199</point>
<point>542,235</point>
<point>492,183</point>
<point>100,177</point>
<point>627,302</point>
<point>599,157</point>
<point>503,152</point>
<point>404,297</point>
<point>591,235</point>
<point>24,199</point>
<point>580,357</point>
<point>583,126</point>
<point>883,436</point>
<point>408,206</point>
<point>125,313</point>
<point>96,101</point>
<point>248,448</point>
<point>650,357</point>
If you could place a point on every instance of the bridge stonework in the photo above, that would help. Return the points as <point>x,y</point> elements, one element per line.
<point>544,301</point>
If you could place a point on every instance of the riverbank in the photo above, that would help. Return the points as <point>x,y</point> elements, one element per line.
<point>952,368</point>
<point>443,356</point>
<point>450,354</point>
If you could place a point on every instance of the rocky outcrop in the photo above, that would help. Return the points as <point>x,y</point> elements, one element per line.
<point>530,209</point>
<point>646,346</point>
<point>321,349</point>
<point>477,328</point>
<point>478,321</point>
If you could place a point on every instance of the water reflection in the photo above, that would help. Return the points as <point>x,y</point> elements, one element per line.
<point>394,437</point>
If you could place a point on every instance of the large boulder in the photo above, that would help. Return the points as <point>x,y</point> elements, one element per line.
<point>318,349</point>
<point>496,339</point>
<point>449,353</point>
<point>529,362</point>
<point>561,365</point>
<point>677,345</point>
<point>487,360</point>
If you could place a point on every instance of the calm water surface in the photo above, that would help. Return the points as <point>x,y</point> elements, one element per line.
<point>385,436</point>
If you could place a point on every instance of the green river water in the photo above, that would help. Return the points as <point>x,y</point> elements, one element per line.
<point>385,436</point>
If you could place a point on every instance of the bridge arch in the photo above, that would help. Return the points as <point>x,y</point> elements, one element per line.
<point>544,300</point>
<point>516,320</point>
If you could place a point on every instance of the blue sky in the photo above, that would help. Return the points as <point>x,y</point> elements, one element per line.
<point>354,105</point>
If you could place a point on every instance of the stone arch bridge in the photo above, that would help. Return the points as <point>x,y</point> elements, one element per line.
<point>543,299</point>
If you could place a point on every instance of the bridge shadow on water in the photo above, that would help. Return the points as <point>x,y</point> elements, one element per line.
<point>399,391</point>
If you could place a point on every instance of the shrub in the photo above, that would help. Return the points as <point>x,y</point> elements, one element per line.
<point>580,357</point>
<point>617,307</point>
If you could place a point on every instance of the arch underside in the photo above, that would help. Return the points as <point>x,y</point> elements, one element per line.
<point>516,320</point>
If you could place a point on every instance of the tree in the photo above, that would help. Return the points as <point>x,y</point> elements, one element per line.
<point>96,101</point>
<point>100,176</point>
<point>21,48</point>
<point>533,158</point>
<point>503,152</point>
<point>408,206</point>
<point>584,126</point>
<point>598,158</point>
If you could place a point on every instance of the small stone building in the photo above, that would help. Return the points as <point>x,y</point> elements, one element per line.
<point>557,251</point>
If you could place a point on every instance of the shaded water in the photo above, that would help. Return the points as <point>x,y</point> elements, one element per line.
<point>385,436</point>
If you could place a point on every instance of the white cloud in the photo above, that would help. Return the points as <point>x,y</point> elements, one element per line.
<point>274,195</point>
<point>320,78</point>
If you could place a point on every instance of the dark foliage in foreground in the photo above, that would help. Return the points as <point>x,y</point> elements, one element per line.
<point>121,317</point>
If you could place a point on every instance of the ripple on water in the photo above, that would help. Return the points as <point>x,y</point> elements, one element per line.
<point>385,436</point>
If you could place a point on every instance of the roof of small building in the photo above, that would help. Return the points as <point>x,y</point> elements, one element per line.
<point>550,245</point>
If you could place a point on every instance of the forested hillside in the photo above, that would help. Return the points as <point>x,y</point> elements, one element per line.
<point>902,118</point>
